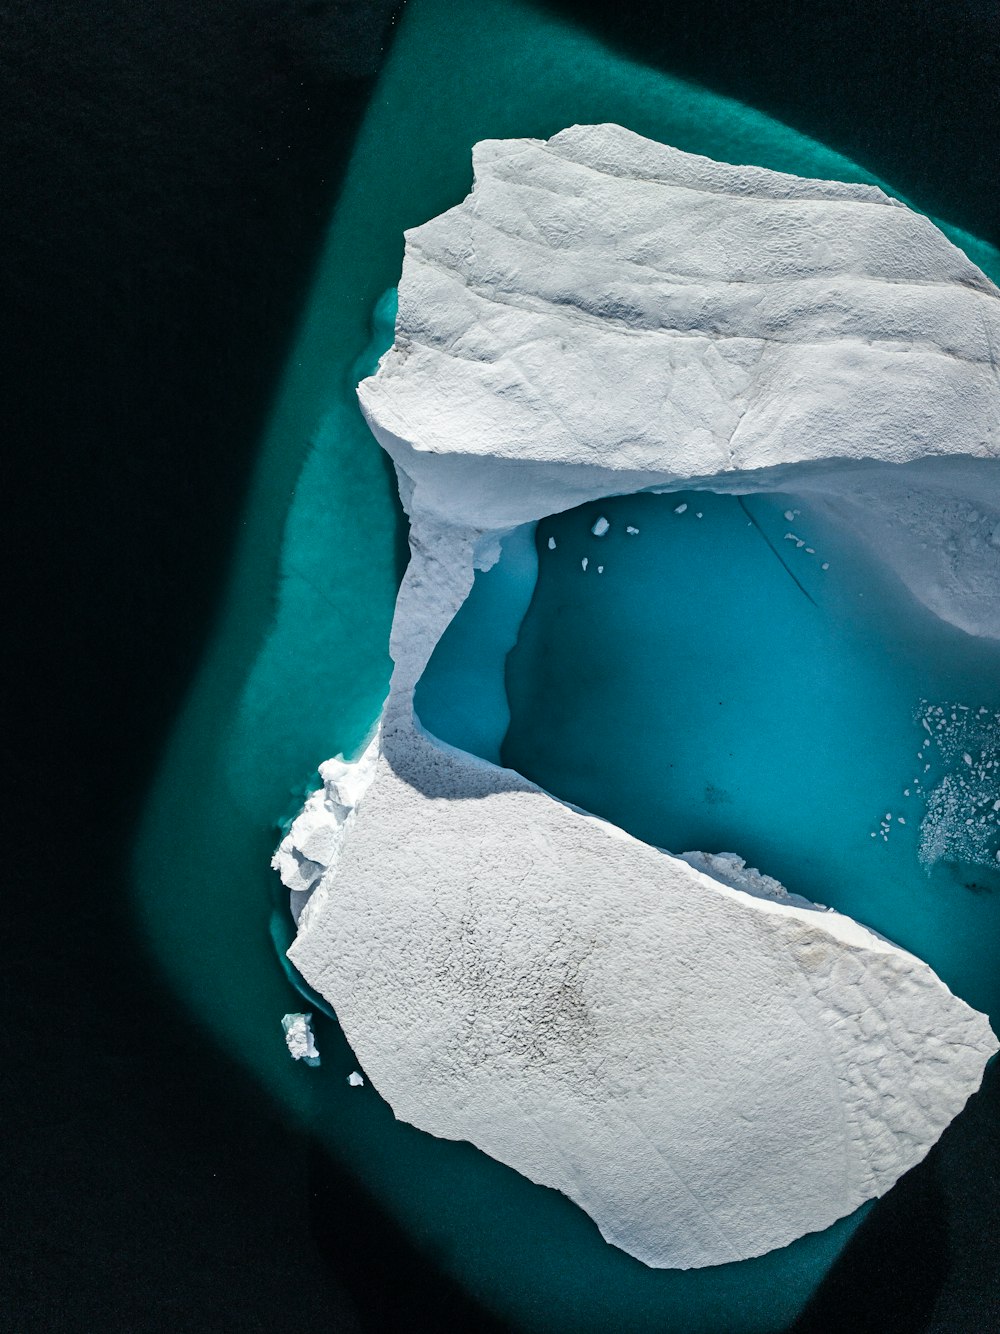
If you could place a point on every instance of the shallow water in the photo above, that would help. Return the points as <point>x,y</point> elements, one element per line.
<point>707,683</point>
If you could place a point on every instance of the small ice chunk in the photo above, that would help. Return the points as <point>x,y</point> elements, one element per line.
<point>630,529</point>
<point>299,1038</point>
<point>698,514</point>
<point>355,1080</point>
<point>825,565</point>
<point>600,527</point>
<point>679,509</point>
<point>600,569</point>
<point>584,563</point>
<point>552,544</point>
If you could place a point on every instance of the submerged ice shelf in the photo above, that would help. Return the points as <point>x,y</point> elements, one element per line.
<point>709,1073</point>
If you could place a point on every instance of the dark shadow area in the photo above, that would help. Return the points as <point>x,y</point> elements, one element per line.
<point>925,1257</point>
<point>910,91</point>
<point>891,1273</point>
<point>169,173</point>
<point>399,1292</point>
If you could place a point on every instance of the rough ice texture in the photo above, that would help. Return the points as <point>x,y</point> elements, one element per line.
<point>708,1072</point>
<point>299,1038</point>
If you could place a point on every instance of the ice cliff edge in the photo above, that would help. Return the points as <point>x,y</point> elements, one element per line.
<point>709,1074</point>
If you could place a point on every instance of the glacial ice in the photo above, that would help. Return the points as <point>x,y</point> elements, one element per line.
<point>299,1038</point>
<point>708,1070</point>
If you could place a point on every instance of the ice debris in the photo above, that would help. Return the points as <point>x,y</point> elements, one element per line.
<point>299,1038</point>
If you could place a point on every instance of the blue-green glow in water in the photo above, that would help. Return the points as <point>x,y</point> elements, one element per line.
<point>698,695</point>
<point>299,667</point>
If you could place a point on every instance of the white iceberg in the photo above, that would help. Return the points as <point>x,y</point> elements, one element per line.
<point>299,1038</point>
<point>709,1072</point>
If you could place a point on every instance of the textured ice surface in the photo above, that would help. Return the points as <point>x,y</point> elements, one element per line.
<point>708,1072</point>
<point>299,1038</point>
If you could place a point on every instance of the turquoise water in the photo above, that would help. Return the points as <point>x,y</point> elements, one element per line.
<point>467,688</point>
<point>299,666</point>
<point>713,690</point>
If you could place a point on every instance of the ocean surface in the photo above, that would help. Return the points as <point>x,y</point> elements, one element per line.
<point>296,673</point>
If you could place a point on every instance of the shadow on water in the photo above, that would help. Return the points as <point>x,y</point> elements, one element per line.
<point>890,1275</point>
<point>169,176</point>
<point>924,1258</point>
<point>908,90</point>
<point>397,1292</point>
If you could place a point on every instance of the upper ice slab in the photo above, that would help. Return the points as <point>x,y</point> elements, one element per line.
<point>639,315</point>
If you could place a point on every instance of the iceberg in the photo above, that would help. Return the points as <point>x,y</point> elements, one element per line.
<point>707,1065</point>
<point>299,1038</point>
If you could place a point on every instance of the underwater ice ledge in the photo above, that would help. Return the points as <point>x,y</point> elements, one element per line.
<point>205,899</point>
<point>709,1074</point>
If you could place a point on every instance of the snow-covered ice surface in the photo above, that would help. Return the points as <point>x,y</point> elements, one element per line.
<point>709,1072</point>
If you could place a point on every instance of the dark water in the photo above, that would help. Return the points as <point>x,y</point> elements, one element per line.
<point>169,175</point>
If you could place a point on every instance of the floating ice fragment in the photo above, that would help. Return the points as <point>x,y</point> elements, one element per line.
<point>299,1038</point>
<point>584,563</point>
<point>825,565</point>
<point>552,544</point>
<point>789,515</point>
<point>634,532</point>
<point>680,509</point>
<point>355,1080</point>
<point>600,527</point>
